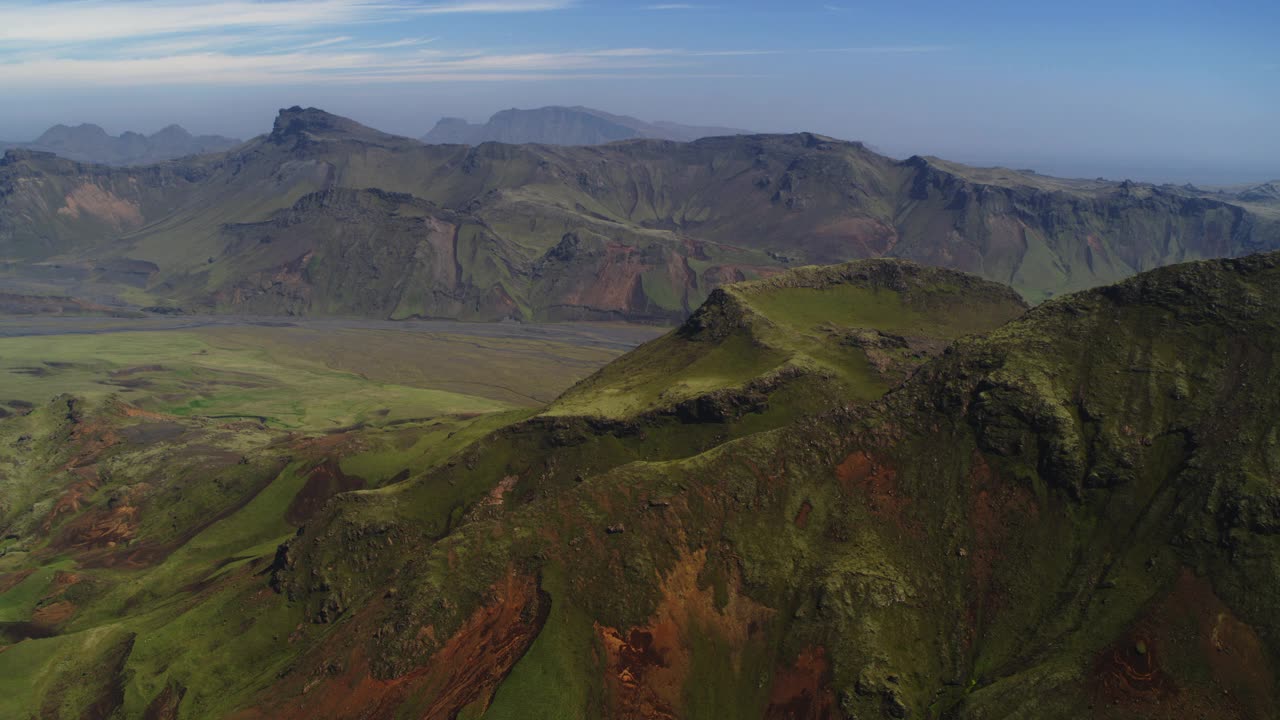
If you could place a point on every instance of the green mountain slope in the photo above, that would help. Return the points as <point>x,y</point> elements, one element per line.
<point>296,221</point>
<point>1071,516</point>
<point>841,492</point>
<point>142,471</point>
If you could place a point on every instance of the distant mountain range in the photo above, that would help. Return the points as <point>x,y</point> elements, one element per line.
<point>1265,193</point>
<point>327,217</point>
<point>558,125</point>
<point>90,143</point>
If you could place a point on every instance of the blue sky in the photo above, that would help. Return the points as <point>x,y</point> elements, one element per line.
<point>1163,91</point>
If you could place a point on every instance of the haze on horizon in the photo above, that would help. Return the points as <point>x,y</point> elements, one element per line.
<point>1172,91</point>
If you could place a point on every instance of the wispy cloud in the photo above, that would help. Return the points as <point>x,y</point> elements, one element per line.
<point>91,20</point>
<point>393,44</point>
<point>323,43</point>
<point>26,21</point>
<point>498,6</point>
<point>315,65</point>
<point>77,43</point>
<point>887,49</point>
<point>313,68</point>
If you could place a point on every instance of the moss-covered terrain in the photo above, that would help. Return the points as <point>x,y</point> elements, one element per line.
<point>147,474</point>
<point>873,490</point>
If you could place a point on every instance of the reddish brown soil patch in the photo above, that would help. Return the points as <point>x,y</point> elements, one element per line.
<point>648,666</point>
<point>61,581</point>
<point>323,445</point>
<point>323,482</point>
<point>995,509</point>
<point>144,554</point>
<point>878,482</point>
<point>1130,669</point>
<point>857,237</point>
<point>465,671</point>
<point>115,211</point>
<point>491,504</point>
<point>73,497</point>
<point>166,703</point>
<point>127,410</point>
<point>53,614</point>
<point>616,283</point>
<point>9,581</point>
<point>1192,625</point>
<point>479,656</point>
<point>89,440</point>
<point>100,528</point>
<point>802,517</point>
<point>802,691</point>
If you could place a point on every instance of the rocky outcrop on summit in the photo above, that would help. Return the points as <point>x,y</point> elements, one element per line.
<point>295,127</point>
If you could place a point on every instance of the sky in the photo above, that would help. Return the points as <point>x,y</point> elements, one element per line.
<point>1168,91</point>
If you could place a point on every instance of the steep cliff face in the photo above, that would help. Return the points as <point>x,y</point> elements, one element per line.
<point>50,206</point>
<point>1049,237</point>
<point>640,230</point>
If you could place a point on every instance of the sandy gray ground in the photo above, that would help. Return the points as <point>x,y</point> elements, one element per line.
<point>615,336</point>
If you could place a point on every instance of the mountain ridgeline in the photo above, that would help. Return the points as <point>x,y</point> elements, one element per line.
<point>324,216</point>
<point>91,144</point>
<point>564,126</point>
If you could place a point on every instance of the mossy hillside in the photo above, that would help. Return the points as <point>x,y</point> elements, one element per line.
<point>184,581</point>
<point>1117,426</point>
<point>556,452</point>
<point>560,448</point>
<point>985,532</point>
<point>158,529</point>
<point>86,586</point>
<point>988,539</point>
<point>796,323</point>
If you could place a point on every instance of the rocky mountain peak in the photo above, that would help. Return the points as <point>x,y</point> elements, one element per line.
<point>296,124</point>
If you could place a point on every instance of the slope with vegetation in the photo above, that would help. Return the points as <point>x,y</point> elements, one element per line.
<point>143,475</point>
<point>873,490</point>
